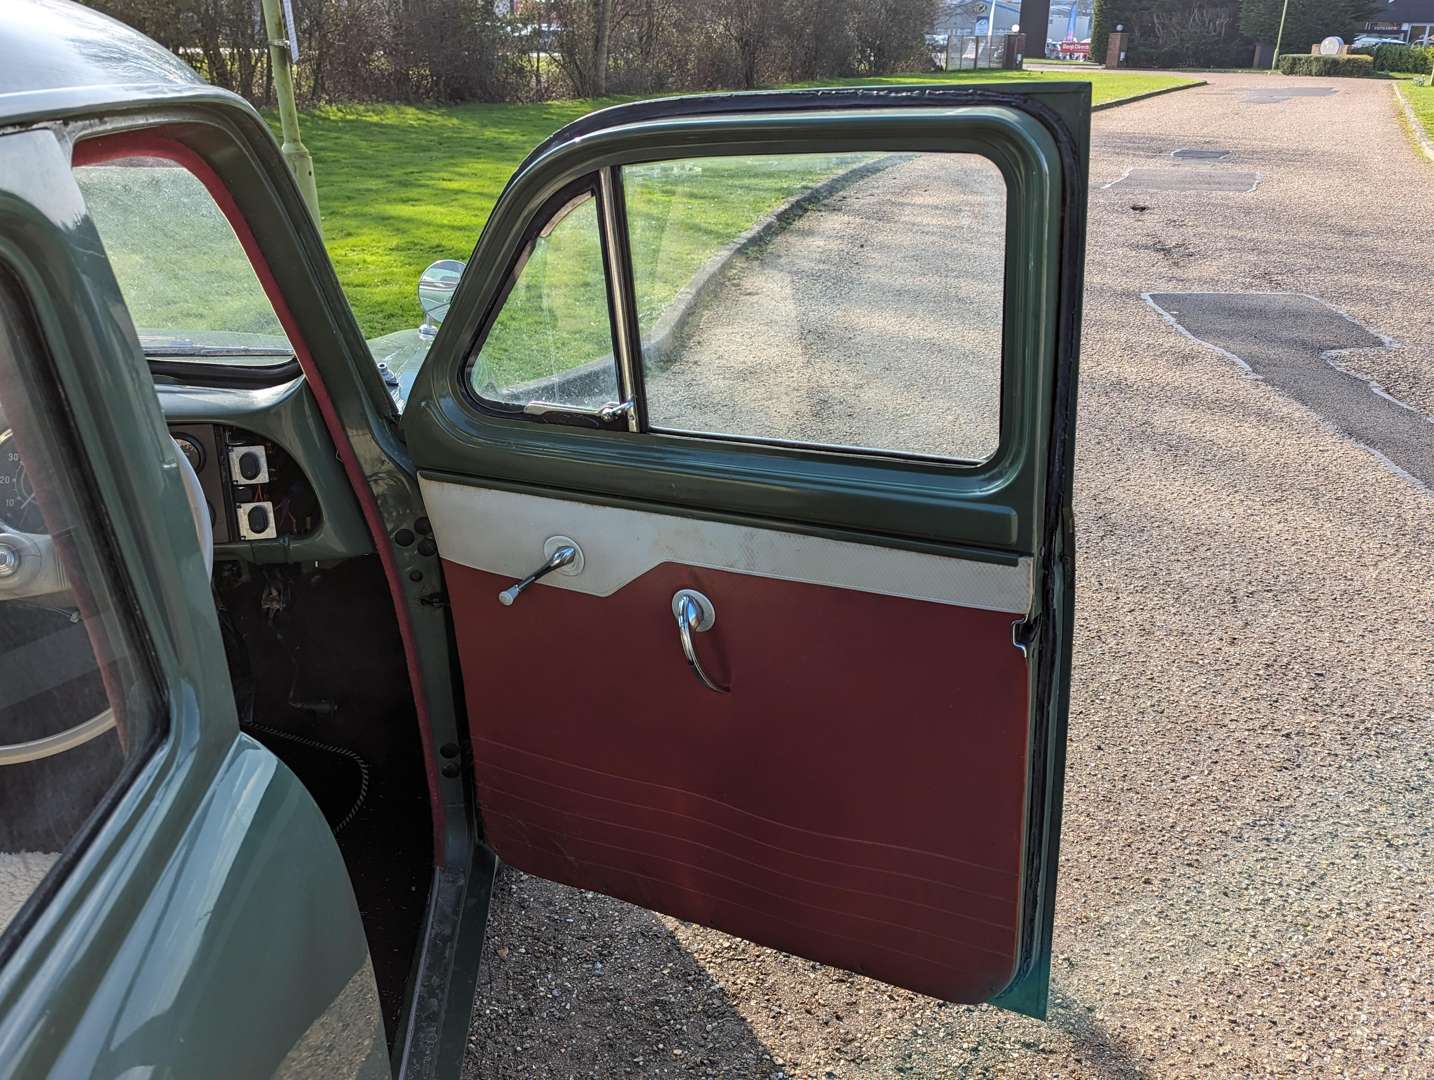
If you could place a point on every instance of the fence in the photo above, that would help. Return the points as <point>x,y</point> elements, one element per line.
<point>968,52</point>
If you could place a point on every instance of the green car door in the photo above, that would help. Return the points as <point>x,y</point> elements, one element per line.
<point>171,899</point>
<point>742,462</point>
<point>747,445</point>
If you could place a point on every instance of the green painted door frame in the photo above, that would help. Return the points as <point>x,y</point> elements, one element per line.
<point>204,919</point>
<point>1015,505</point>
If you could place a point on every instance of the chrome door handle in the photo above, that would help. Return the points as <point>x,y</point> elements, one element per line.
<point>561,557</point>
<point>694,612</point>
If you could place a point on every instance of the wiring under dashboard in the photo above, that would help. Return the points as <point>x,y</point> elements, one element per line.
<point>274,601</point>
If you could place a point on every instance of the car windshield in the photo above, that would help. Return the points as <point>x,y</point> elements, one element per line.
<point>188,284</point>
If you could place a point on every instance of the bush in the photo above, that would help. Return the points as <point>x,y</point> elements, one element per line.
<point>1173,33</point>
<point>465,50</point>
<point>1405,59</point>
<point>1349,67</point>
<point>1305,22</point>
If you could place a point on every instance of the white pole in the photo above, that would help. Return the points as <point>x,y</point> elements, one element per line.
<point>991,31</point>
<point>1280,37</point>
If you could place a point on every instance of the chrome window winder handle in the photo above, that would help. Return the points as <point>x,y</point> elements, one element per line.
<point>564,555</point>
<point>694,612</point>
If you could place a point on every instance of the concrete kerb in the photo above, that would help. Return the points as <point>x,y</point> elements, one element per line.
<point>594,381</point>
<point>1149,94</point>
<point>1421,139</point>
<point>668,334</point>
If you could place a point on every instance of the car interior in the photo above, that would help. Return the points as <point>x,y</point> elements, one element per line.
<point>312,642</point>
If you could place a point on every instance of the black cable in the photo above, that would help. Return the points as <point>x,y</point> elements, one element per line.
<point>343,751</point>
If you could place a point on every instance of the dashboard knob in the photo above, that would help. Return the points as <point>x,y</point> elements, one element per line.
<point>250,465</point>
<point>258,519</point>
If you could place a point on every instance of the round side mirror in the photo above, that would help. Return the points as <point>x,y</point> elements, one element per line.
<point>435,293</point>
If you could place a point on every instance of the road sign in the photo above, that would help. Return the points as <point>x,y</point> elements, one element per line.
<point>292,30</point>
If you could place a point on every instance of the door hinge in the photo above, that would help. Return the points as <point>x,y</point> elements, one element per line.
<point>1023,633</point>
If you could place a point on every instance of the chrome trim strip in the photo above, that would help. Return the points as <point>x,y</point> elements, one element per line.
<point>500,531</point>
<point>627,391</point>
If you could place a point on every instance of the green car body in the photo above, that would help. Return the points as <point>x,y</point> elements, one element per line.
<point>203,922</point>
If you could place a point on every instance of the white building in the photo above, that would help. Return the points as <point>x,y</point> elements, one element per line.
<point>973,18</point>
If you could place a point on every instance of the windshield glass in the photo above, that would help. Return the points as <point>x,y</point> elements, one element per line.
<point>189,286</point>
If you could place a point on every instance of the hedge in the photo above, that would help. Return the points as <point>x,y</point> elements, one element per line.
<point>1405,59</point>
<point>1346,66</point>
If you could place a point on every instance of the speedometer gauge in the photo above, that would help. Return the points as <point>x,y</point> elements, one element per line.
<point>191,449</point>
<point>18,507</point>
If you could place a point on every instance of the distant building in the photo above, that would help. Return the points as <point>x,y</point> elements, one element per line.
<point>1412,20</point>
<point>1070,19</point>
<point>972,18</point>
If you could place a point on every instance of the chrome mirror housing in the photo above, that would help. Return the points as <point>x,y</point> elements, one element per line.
<point>435,293</point>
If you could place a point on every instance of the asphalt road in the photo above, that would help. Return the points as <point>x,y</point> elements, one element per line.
<point>1246,865</point>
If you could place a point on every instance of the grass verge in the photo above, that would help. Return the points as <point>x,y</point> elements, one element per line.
<point>1421,103</point>
<point>680,215</point>
<point>401,186</point>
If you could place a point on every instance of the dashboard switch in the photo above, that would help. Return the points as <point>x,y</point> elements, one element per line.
<point>256,521</point>
<point>248,465</point>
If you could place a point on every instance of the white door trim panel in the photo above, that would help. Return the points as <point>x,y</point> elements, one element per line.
<point>503,532</point>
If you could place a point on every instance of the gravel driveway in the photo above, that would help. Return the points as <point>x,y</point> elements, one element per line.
<point>1246,865</point>
<point>878,311</point>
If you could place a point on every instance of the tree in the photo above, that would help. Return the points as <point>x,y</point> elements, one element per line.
<point>1189,33</point>
<point>892,33</point>
<point>223,39</point>
<point>750,28</point>
<point>819,39</point>
<point>1172,33</point>
<point>583,39</point>
<point>1105,17</point>
<point>1308,21</point>
<point>463,50</point>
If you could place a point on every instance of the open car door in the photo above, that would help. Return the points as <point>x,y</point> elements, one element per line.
<point>747,447</point>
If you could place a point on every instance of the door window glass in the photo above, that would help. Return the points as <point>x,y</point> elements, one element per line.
<point>552,339</point>
<point>845,300</point>
<point>186,279</point>
<point>76,700</point>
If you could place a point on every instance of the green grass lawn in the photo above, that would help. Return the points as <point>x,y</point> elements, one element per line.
<point>680,215</point>
<point>1421,98</point>
<point>182,269</point>
<point>401,186</point>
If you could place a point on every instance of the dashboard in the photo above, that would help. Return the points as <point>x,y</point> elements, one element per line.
<point>254,489</point>
<point>275,489</point>
<point>18,508</point>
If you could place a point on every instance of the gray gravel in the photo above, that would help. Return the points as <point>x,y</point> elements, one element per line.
<point>1246,869</point>
<point>876,312</point>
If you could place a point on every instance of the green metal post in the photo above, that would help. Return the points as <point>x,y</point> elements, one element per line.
<point>301,163</point>
<point>1280,37</point>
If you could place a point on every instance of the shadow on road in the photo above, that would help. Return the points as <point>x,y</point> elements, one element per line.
<point>575,984</point>
<point>1111,1056</point>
